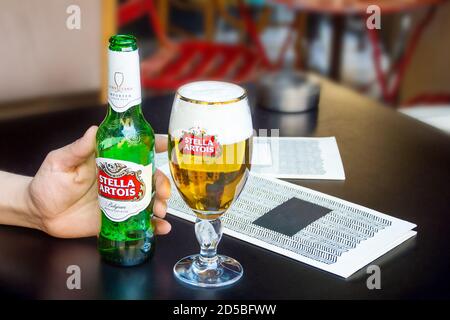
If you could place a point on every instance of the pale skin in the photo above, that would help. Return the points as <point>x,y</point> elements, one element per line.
<point>61,199</point>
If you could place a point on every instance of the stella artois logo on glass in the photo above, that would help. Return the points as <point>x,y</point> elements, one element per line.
<point>197,142</point>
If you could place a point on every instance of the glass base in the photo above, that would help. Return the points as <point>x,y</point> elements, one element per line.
<point>226,271</point>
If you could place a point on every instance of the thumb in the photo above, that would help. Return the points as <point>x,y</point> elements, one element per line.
<point>76,153</point>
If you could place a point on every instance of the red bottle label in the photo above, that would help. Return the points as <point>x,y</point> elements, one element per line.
<point>124,188</point>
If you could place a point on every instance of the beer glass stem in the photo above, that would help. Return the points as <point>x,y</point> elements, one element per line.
<point>208,233</point>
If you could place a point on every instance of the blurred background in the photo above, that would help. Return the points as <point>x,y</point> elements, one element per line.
<point>53,52</point>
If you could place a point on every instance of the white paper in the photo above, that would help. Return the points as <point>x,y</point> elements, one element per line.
<point>262,194</point>
<point>292,158</point>
<point>297,158</point>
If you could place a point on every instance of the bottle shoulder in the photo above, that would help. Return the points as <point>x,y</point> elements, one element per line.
<point>132,117</point>
<point>117,128</point>
<point>131,143</point>
<point>129,125</point>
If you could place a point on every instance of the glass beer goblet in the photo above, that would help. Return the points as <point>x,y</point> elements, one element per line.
<point>210,145</point>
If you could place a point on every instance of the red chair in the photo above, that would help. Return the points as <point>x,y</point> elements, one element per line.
<point>390,81</point>
<point>189,60</point>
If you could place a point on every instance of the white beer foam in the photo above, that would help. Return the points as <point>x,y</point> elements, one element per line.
<point>211,91</point>
<point>231,122</point>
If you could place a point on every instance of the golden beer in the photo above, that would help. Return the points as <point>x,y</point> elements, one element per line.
<point>209,185</point>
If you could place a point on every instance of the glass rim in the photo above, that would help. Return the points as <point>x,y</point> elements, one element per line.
<point>203,102</point>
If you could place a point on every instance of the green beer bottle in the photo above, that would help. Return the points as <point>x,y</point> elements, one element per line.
<point>125,162</point>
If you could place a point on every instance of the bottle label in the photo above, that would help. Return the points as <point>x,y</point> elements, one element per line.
<point>124,188</point>
<point>124,81</point>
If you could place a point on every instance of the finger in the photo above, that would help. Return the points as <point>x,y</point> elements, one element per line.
<point>161,142</point>
<point>162,186</point>
<point>161,226</point>
<point>160,208</point>
<point>75,153</point>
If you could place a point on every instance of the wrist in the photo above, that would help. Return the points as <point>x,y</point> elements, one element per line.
<point>16,205</point>
<point>31,212</point>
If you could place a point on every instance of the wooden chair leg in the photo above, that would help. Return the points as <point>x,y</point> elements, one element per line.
<point>300,25</point>
<point>163,13</point>
<point>336,48</point>
<point>209,22</point>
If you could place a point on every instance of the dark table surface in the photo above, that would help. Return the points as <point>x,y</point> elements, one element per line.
<point>393,164</point>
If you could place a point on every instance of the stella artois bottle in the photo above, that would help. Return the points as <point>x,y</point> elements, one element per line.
<point>125,162</point>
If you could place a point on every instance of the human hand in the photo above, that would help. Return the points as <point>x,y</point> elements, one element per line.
<point>63,194</point>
